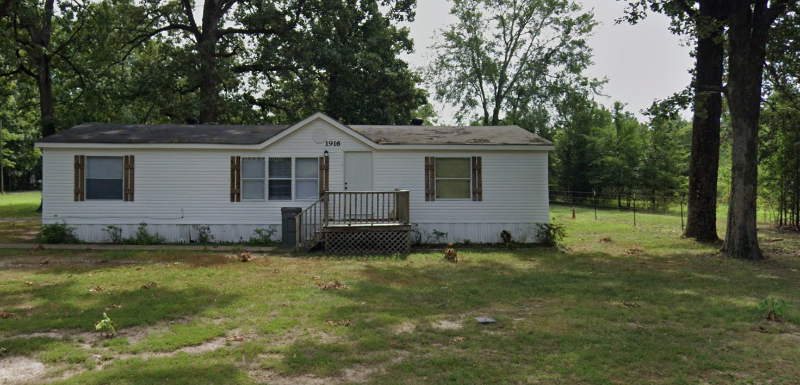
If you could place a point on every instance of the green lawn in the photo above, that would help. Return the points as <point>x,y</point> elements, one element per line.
<point>20,205</point>
<point>19,221</point>
<point>620,305</point>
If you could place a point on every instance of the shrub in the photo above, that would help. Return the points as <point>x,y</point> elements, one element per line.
<point>203,234</point>
<point>58,233</point>
<point>114,234</point>
<point>263,237</point>
<point>106,326</point>
<point>550,234</point>
<point>438,237</point>
<point>773,307</point>
<point>143,237</point>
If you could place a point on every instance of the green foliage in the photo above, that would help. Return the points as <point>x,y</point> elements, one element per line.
<point>263,237</point>
<point>144,237</point>
<point>505,235</point>
<point>779,154</point>
<point>437,237</point>
<point>204,235</point>
<point>550,234</point>
<point>106,326</point>
<point>575,166</point>
<point>58,233</point>
<point>114,234</point>
<point>772,307</point>
<point>513,58</point>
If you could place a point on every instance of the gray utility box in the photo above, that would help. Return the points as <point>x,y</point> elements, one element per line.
<point>288,228</point>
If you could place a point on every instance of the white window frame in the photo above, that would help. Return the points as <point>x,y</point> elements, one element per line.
<point>436,178</point>
<point>86,178</point>
<point>263,180</point>
<point>290,178</point>
<point>296,179</point>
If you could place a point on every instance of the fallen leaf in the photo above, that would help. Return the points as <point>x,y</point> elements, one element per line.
<point>245,256</point>
<point>235,338</point>
<point>29,283</point>
<point>45,262</point>
<point>316,277</point>
<point>338,323</point>
<point>96,288</point>
<point>457,340</point>
<point>6,315</point>
<point>335,285</point>
<point>149,285</point>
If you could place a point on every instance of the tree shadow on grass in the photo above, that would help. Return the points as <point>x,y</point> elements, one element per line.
<point>181,369</point>
<point>577,317</point>
<point>69,305</point>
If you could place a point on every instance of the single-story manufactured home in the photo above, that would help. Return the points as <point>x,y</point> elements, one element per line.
<point>350,185</point>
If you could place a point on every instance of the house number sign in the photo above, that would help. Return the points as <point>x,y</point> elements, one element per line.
<point>333,143</point>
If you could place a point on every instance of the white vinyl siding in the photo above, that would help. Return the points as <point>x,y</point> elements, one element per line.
<point>179,187</point>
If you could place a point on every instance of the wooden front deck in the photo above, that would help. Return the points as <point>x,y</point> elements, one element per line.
<point>356,222</point>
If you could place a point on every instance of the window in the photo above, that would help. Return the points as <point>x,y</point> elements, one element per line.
<point>280,179</point>
<point>253,178</point>
<point>453,178</point>
<point>307,178</point>
<point>104,177</point>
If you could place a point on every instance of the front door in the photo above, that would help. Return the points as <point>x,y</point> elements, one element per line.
<point>358,171</point>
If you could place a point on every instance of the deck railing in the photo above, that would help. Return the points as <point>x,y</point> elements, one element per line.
<point>351,208</point>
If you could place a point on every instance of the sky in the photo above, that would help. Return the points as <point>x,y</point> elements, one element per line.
<point>642,63</point>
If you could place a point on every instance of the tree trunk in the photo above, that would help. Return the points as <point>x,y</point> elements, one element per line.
<point>43,77</point>
<point>749,29</point>
<point>207,49</point>
<point>46,103</point>
<point>701,221</point>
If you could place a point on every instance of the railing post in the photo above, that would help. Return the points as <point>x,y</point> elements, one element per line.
<point>325,211</point>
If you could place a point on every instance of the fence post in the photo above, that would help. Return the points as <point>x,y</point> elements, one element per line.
<point>634,209</point>
<point>681,213</point>
<point>594,200</point>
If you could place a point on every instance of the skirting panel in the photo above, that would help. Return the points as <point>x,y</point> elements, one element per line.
<point>442,233</point>
<point>175,233</point>
<point>368,242</point>
<point>426,233</point>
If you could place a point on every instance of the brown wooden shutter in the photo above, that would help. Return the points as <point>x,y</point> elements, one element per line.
<point>477,179</point>
<point>236,179</point>
<point>324,174</point>
<point>80,162</point>
<point>430,179</point>
<point>127,180</point>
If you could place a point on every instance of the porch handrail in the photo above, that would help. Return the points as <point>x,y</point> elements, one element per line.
<point>346,208</point>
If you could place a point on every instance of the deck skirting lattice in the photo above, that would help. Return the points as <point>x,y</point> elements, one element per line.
<point>368,242</point>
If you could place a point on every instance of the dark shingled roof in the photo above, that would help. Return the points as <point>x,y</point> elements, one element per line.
<point>450,135</point>
<point>165,133</point>
<point>243,135</point>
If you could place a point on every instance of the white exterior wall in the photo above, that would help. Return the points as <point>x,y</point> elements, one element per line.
<point>178,188</point>
<point>515,195</point>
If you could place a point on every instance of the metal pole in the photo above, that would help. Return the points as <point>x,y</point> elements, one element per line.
<point>634,209</point>
<point>594,199</point>
<point>681,213</point>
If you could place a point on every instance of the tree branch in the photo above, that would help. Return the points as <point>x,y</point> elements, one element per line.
<point>187,9</point>
<point>246,31</point>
